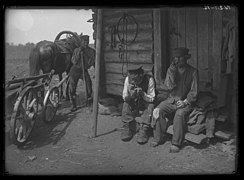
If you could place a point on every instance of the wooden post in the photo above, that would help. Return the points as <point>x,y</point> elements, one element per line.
<point>157,45</point>
<point>97,72</point>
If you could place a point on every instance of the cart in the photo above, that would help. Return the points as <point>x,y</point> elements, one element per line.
<point>26,99</point>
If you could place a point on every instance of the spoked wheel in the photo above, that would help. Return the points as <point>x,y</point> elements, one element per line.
<point>51,104</point>
<point>24,116</point>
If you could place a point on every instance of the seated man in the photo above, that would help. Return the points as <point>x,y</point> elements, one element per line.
<point>182,82</point>
<point>138,95</point>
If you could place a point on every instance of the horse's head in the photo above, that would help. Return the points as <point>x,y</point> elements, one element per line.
<point>42,57</point>
<point>46,66</point>
<point>74,41</point>
<point>47,55</point>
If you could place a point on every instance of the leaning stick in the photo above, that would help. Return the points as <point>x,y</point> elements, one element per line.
<point>97,72</point>
<point>84,79</point>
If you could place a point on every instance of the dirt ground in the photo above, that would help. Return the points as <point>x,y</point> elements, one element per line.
<point>64,147</point>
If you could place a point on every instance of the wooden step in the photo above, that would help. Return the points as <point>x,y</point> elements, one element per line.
<point>222,118</point>
<point>198,139</point>
<point>197,128</point>
<point>223,134</point>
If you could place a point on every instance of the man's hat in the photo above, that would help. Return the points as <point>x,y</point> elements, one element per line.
<point>180,51</point>
<point>85,37</point>
<point>135,69</point>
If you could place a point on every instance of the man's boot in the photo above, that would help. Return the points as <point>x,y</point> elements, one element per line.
<point>142,136</point>
<point>74,108</point>
<point>158,135</point>
<point>126,133</point>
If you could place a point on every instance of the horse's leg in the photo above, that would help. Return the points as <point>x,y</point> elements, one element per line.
<point>68,65</point>
<point>61,87</point>
<point>67,70</point>
<point>67,90</point>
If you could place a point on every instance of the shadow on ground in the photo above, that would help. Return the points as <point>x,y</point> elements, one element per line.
<point>48,133</point>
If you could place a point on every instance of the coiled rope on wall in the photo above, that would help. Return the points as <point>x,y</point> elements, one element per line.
<point>122,28</point>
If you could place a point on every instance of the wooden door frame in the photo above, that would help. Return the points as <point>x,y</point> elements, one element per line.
<point>160,44</point>
<point>157,43</point>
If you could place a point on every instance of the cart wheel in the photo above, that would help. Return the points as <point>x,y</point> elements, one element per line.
<point>24,116</point>
<point>51,104</point>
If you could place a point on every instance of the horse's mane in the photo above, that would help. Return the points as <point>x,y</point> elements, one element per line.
<point>34,61</point>
<point>72,42</point>
<point>47,51</point>
<point>35,56</point>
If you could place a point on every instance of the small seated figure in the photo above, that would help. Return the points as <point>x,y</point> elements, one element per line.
<point>138,95</point>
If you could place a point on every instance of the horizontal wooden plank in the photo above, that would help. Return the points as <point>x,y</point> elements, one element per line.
<point>196,128</point>
<point>113,11</point>
<point>131,35</point>
<point>113,78</point>
<point>120,11</point>
<point>198,139</point>
<point>147,45</point>
<point>122,68</point>
<point>132,56</point>
<point>141,26</point>
<point>222,118</point>
<point>223,134</point>
<point>114,89</point>
<point>114,20</point>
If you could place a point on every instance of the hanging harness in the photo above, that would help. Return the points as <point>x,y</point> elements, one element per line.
<point>122,28</point>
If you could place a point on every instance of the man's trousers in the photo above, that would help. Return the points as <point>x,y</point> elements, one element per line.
<point>167,108</point>
<point>75,75</point>
<point>132,108</point>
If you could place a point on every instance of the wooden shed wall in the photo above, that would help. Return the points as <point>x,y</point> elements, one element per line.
<point>138,52</point>
<point>159,32</point>
<point>203,32</point>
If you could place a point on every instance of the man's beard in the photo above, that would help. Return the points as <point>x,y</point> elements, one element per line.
<point>181,64</point>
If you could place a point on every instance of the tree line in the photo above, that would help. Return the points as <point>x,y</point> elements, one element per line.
<point>20,51</point>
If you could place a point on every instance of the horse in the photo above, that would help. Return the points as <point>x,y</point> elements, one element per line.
<point>47,55</point>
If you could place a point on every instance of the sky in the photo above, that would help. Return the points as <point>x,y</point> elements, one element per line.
<point>34,25</point>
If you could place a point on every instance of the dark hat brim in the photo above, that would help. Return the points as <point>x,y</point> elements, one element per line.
<point>135,69</point>
<point>181,51</point>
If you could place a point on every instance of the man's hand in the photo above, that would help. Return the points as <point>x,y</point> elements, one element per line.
<point>156,113</point>
<point>139,91</point>
<point>181,104</point>
<point>174,64</point>
<point>132,91</point>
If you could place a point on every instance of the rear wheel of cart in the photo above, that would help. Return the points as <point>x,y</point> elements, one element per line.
<point>24,116</point>
<point>51,104</point>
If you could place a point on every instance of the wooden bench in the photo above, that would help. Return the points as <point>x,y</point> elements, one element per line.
<point>198,138</point>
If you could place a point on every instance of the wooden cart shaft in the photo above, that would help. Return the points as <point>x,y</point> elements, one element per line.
<point>27,79</point>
